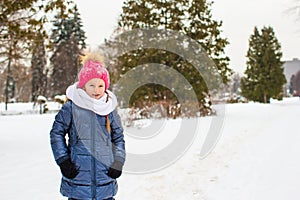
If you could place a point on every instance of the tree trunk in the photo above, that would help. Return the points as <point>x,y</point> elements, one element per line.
<point>265,98</point>
<point>7,82</point>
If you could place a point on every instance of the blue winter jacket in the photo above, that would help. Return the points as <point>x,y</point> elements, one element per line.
<point>91,148</point>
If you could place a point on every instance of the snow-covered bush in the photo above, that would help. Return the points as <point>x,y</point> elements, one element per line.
<point>60,99</point>
<point>42,101</point>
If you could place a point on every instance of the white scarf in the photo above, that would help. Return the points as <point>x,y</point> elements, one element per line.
<point>83,100</point>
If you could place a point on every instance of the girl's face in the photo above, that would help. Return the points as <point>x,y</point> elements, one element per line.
<point>95,88</point>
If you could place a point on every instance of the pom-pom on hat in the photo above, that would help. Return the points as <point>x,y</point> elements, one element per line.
<point>92,69</point>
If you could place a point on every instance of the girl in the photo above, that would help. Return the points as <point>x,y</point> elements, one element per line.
<point>94,154</point>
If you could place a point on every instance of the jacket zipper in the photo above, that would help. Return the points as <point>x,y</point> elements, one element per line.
<point>93,160</point>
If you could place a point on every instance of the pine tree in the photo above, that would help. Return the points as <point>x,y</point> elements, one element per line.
<point>68,42</point>
<point>185,17</point>
<point>264,78</point>
<point>201,27</point>
<point>207,32</point>
<point>38,69</point>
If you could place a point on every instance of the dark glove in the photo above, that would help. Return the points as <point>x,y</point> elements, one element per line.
<point>68,169</point>
<point>115,170</point>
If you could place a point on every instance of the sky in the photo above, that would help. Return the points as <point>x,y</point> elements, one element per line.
<point>239,19</point>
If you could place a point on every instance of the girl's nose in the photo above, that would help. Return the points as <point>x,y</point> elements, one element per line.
<point>97,89</point>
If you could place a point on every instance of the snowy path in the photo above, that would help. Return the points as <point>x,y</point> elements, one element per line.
<point>257,158</point>
<point>267,165</point>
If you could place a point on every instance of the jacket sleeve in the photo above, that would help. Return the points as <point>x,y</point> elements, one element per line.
<point>58,133</point>
<point>117,137</point>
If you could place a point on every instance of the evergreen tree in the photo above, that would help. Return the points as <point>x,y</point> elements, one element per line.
<point>206,31</point>
<point>201,27</point>
<point>68,42</point>
<point>38,69</point>
<point>190,18</point>
<point>264,78</point>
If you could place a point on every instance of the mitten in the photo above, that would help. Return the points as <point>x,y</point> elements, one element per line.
<point>115,169</point>
<point>68,169</point>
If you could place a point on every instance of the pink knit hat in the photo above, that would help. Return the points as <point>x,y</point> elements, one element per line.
<point>92,69</point>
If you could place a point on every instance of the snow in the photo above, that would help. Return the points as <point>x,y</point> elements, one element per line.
<point>41,99</point>
<point>256,157</point>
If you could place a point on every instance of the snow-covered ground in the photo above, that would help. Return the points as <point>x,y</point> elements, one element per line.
<point>256,158</point>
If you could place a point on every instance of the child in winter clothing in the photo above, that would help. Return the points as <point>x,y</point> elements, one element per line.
<point>93,157</point>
